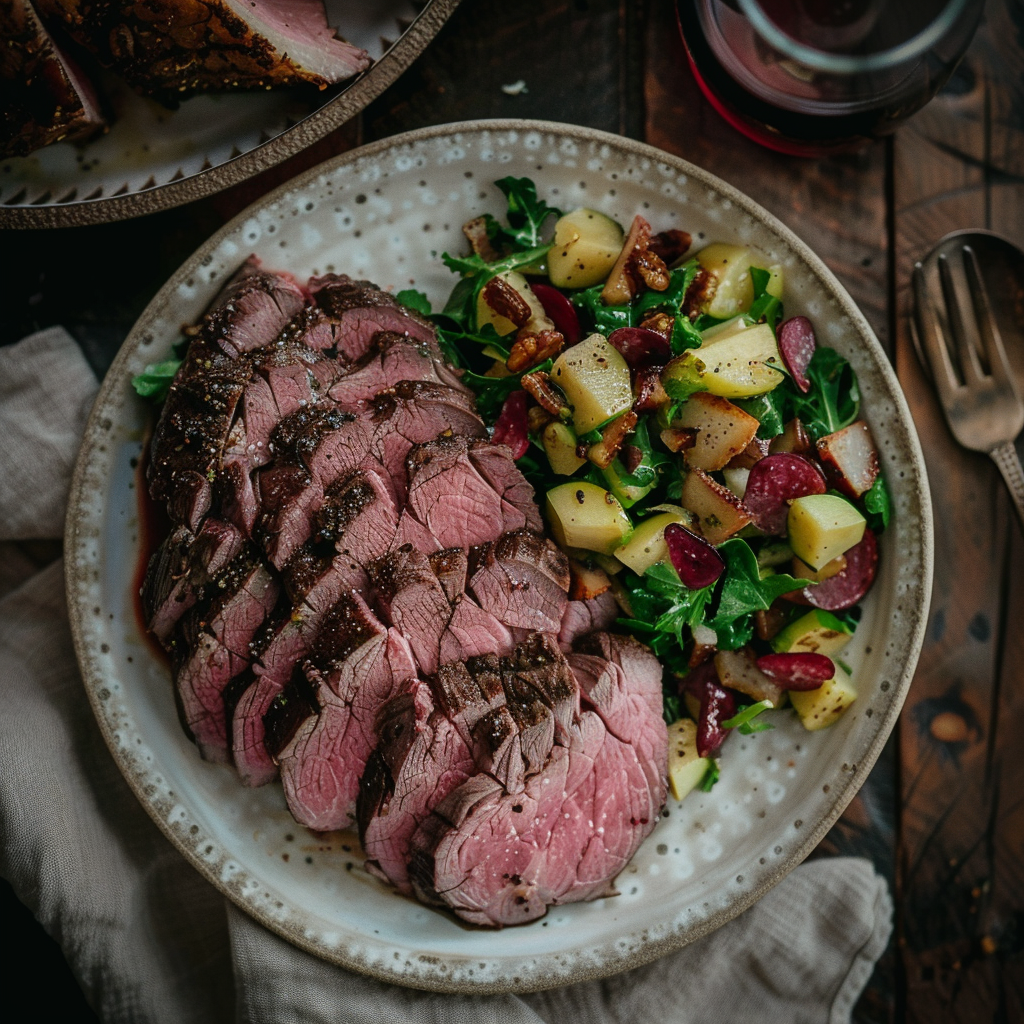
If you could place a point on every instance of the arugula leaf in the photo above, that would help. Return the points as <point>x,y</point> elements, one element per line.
<point>768,410</point>
<point>526,213</point>
<point>834,399</point>
<point>743,593</point>
<point>491,392</point>
<point>744,718</point>
<point>599,317</point>
<point>710,776</point>
<point>878,503</point>
<point>155,380</point>
<point>414,300</point>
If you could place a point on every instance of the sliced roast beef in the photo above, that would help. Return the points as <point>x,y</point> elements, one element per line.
<point>357,517</point>
<point>251,310</point>
<point>46,96</point>
<point>322,764</point>
<point>362,310</point>
<point>391,359</point>
<point>182,568</point>
<point>414,412</point>
<point>413,600</point>
<point>421,757</point>
<point>621,680</point>
<point>495,464</point>
<point>459,505</point>
<point>592,615</point>
<point>500,858</point>
<point>314,587</point>
<point>172,49</point>
<point>213,649</point>
<point>316,448</point>
<point>192,431</point>
<point>522,579</point>
<point>451,567</point>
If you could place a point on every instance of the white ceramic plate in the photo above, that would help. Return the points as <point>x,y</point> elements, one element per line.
<point>153,158</point>
<point>384,212</point>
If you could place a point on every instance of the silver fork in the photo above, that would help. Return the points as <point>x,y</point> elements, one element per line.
<point>984,409</point>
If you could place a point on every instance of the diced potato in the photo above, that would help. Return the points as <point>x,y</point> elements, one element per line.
<point>822,527</point>
<point>850,458</point>
<point>730,266</point>
<point>560,443</point>
<point>583,515</point>
<point>817,632</point>
<point>647,545</point>
<point>628,494</point>
<point>586,246</point>
<point>738,364</point>
<point>596,382</point>
<point>820,708</point>
<point>486,315</point>
<point>686,768</point>
<point>719,512</point>
<point>802,571</point>
<point>723,430</point>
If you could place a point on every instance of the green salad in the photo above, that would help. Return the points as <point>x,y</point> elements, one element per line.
<point>699,456</point>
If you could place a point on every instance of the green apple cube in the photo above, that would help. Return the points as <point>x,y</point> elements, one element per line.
<point>648,545</point>
<point>686,769</point>
<point>820,708</point>
<point>738,364</point>
<point>627,493</point>
<point>586,246</point>
<point>817,632</point>
<point>596,381</point>
<point>560,443</point>
<point>730,265</point>
<point>822,527</point>
<point>583,515</point>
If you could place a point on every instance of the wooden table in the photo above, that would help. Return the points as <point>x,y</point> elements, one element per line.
<point>942,814</point>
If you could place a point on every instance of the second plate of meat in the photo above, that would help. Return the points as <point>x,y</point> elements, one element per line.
<point>396,723</point>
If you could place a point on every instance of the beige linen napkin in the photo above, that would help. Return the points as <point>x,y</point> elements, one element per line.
<point>150,941</point>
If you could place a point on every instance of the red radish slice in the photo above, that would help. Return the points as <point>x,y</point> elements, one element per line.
<point>717,705</point>
<point>511,427</point>
<point>848,587</point>
<point>641,346</point>
<point>697,562</point>
<point>797,671</point>
<point>796,346</point>
<point>774,482</point>
<point>561,311</point>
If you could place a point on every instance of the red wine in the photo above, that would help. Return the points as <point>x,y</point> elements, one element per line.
<point>794,109</point>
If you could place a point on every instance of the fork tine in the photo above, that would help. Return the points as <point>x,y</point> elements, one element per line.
<point>962,324</point>
<point>929,335</point>
<point>988,328</point>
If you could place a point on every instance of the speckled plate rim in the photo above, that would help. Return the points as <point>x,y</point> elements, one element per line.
<point>605,960</point>
<point>334,113</point>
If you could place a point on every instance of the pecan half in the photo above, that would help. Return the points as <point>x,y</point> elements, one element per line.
<point>700,292</point>
<point>650,392</point>
<point>531,349</point>
<point>507,302</point>
<point>548,396</point>
<point>537,419</point>
<point>635,267</point>
<point>660,323</point>
<point>612,438</point>
<point>475,231</point>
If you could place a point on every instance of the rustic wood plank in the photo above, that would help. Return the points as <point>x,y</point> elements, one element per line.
<point>961,871</point>
<point>579,62</point>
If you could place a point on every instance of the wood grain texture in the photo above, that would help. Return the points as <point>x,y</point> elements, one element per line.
<point>960,164</point>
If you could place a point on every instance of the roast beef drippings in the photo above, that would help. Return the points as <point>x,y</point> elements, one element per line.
<point>358,597</point>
